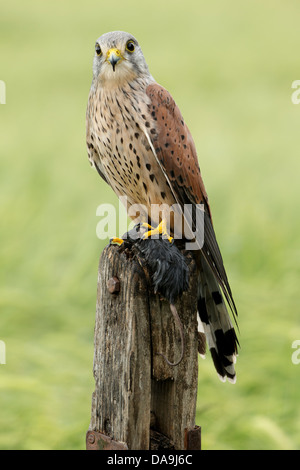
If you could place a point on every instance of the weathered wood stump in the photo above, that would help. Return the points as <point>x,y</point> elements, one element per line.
<point>140,402</point>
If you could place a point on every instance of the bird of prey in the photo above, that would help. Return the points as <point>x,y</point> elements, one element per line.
<point>140,145</point>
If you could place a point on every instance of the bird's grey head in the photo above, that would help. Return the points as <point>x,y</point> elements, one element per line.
<point>118,58</point>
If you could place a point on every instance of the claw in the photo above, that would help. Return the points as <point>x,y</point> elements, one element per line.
<point>161,229</point>
<point>116,241</point>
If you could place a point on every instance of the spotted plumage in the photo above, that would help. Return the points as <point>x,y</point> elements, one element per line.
<point>140,145</point>
<point>118,146</point>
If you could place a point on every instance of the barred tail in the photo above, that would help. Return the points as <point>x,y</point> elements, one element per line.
<point>215,323</point>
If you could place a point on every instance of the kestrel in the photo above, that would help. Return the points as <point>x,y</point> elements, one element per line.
<point>140,145</point>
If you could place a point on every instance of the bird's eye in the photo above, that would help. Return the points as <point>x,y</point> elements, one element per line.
<point>98,49</point>
<point>130,46</point>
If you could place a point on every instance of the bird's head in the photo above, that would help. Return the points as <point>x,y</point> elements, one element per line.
<point>118,58</point>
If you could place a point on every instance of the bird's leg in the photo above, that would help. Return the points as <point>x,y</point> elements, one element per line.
<point>147,232</point>
<point>161,229</point>
<point>146,228</point>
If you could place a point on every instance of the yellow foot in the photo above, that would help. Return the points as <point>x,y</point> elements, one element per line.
<point>116,241</point>
<point>161,229</point>
<point>145,225</point>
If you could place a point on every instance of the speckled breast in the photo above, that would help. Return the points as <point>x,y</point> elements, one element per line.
<point>119,125</point>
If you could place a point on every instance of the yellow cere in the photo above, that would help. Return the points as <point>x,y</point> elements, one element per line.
<point>114,51</point>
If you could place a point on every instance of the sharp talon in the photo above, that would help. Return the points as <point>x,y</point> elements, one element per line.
<point>116,241</point>
<point>179,324</point>
<point>161,229</point>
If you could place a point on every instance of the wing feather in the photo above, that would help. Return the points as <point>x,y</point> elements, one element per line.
<point>176,153</point>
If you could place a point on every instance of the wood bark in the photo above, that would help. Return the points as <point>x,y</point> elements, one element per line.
<point>140,400</point>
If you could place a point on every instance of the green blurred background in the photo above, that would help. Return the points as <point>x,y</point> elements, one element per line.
<point>229,66</point>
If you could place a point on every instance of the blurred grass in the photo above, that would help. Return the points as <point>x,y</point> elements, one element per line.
<point>230,67</point>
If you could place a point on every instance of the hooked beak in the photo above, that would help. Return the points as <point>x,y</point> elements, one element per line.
<point>114,56</point>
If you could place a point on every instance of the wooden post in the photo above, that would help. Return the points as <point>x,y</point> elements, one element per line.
<point>140,402</point>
